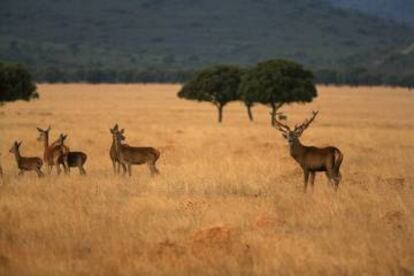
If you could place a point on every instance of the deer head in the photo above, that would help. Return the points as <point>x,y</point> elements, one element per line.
<point>293,135</point>
<point>15,148</point>
<point>43,134</point>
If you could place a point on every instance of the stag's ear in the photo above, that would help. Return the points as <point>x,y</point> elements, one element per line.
<point>116,126</point>
<point>284,135</point>
<point>122,131</point>
<point>19,144</point>
<point>48,128</point>
<point>39,129</point>
<point>111,131</point>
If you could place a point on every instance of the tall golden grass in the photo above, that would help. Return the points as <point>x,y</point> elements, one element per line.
<point>229,198</point>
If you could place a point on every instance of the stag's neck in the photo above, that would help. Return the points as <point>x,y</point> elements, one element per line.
<point>297,150</point>
<point>46,147</point>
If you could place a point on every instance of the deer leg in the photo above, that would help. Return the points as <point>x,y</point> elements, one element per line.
<point>312,179</point>
<point>49,169</point>
<point>129,169</point>
<point>39,172</point>
<point>114,165</point>
<point>123,168</point>
<point>306,177</point>
<point>154,171</point>
<point>81,170</point>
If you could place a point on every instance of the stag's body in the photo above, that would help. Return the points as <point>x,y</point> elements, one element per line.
<point>26,163</point>
<point>71,159</point>
<point>129,156</point>
<point>312,159</point>
<point>52,153</point>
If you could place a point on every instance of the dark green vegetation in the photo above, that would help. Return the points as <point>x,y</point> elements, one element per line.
<point>218,85</point>
<point>16,84</point>
<point>273,83</point>
<point>159,40</point>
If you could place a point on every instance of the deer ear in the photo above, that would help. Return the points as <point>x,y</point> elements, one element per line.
<point>122,131</point>
<point>48,128</point>
<point>116,126</point>
<point>39,129</point>
<point>284,135</point>
<point>111,131</point>
<point>19,144</point>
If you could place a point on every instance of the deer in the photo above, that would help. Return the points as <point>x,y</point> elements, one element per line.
<point>112,153</point>
<point>26,163</point>
<point>312,159</point>
<point>51,152</point>
<point>128,155</point>
<point>70,158</point>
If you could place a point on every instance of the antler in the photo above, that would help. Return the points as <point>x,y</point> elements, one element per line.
<point>280,126</point>
<point>301,128</point>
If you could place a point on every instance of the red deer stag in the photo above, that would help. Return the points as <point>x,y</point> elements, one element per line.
<point>71,159</point>
<point>129,156</point>
<point>26,163</point>
<point>51,152</point>
<point>312,159</point>
<point>112,153</point>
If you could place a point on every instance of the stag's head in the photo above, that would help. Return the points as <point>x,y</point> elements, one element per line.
<point>293,135</point>
<point>15,147</point>
<point>43,134</point>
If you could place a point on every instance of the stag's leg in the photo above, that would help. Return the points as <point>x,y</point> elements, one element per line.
<point>306,177</point>
<point>312,179</point>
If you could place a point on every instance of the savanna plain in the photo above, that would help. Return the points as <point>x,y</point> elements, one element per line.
<point>229,199</point>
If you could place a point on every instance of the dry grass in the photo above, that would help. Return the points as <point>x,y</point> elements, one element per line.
<point>229,198</point>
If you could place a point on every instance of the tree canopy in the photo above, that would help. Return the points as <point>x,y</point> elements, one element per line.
<point>277,82</point>
<point>16,83</point>
<point>218,85</point>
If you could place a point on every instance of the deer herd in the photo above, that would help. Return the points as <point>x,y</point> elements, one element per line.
<point>57,154</point>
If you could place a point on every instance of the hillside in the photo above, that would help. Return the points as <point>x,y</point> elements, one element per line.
<point>397,10</point>
<point>190,34</point>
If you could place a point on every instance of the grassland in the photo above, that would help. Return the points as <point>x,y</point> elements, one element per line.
<point>229,198</point>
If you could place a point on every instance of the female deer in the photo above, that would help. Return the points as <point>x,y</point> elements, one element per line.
<point>51,152</point>
<point>71,158</point>
<point>312,159</point>
<point>26,163</point>
<point>129,156</point>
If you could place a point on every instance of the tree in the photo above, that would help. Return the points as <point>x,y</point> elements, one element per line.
<point>277,82</point>
<point>218,85</point>
<point>16,83</point>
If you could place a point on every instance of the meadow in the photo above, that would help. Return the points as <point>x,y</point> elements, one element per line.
<point>229,199</point>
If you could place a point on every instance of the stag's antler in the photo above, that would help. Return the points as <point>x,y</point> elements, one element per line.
<point>299,129</point>
<point>278,125</point>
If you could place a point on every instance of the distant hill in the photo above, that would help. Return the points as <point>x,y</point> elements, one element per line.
<point>397,10</point>
<point>192,33</point>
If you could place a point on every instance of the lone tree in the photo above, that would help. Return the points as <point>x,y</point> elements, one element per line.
<point>16,83</point>
<point>277,82</point>
<point>218,85</point>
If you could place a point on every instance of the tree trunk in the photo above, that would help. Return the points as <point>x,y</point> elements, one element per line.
<point>249,111</point>
<point>220,112</point>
